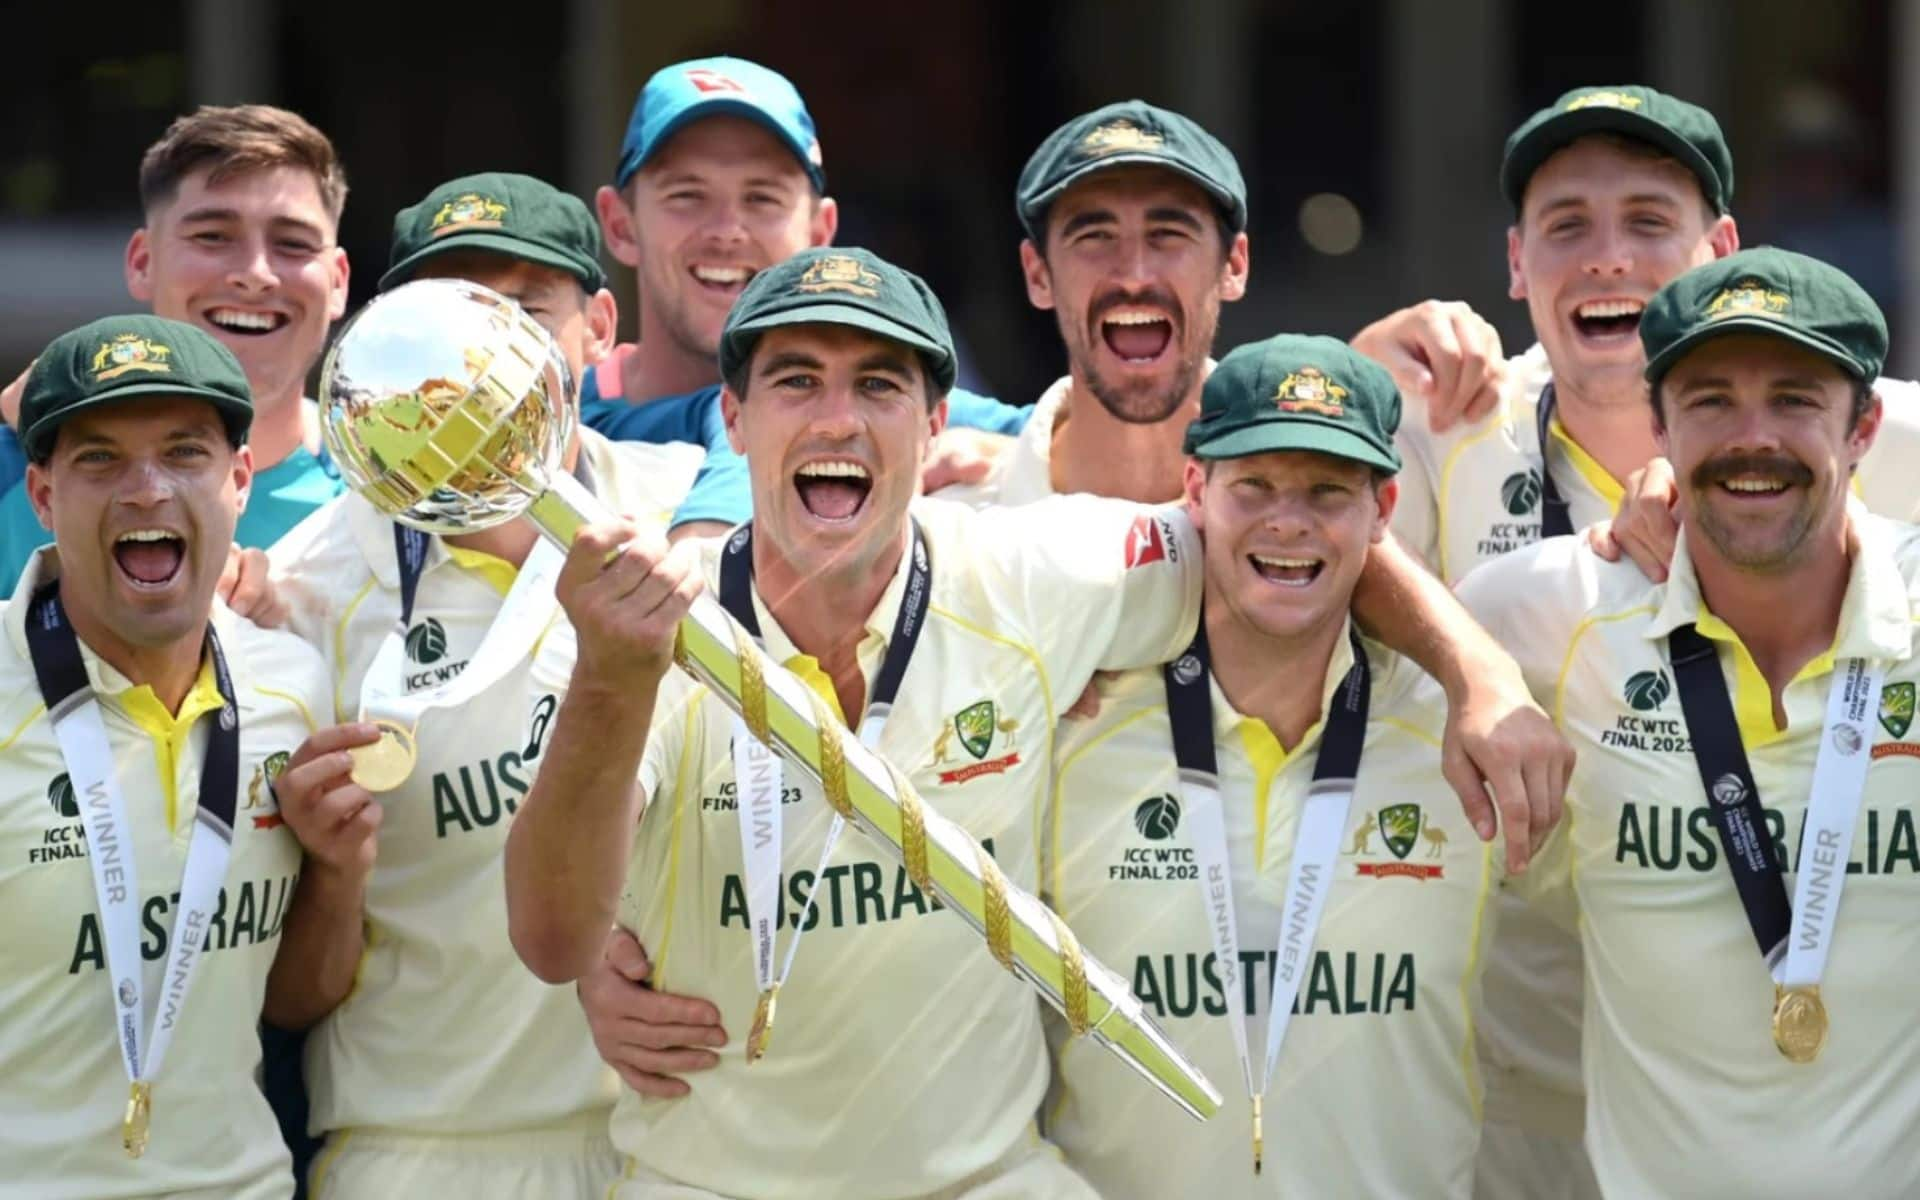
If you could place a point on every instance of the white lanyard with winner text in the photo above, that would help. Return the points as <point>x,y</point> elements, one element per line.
<point>82,733</point>
<point>1794,942</point>
<point>1315,847</point>
<point>759,780</point>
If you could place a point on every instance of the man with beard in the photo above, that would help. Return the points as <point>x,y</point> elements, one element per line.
<point>1746,717</point>
<point>1136,224</point>
<point>241,239</point>
<point>1137,234</point>
<point>906,1062</point>
<point>1616,192</point>
<point>720,176</point>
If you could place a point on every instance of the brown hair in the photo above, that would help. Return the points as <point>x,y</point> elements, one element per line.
<point>233,140</point>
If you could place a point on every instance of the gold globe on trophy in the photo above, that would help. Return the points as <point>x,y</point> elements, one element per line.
<point>449,409</point>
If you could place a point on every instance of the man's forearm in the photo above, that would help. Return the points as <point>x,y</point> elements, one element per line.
<point>320,948</point>
<point>567,851</point>
<point>1400,604</point>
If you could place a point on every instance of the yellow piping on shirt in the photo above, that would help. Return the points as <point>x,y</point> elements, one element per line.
<point>1054,897</point>
<point>681,777</point>
<point>1469,1058</point>
<point>339,648</point>
<point>1039,670</point>
<point>292,699</point>
<point>21,728</point>
<point>1573,647</point>
<point>1059,793</point>
<point>322,1163</point>
<point>1444,568</point>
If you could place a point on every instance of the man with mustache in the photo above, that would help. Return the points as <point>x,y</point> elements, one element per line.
<point>1743,718</point>
<point>1617,190</point>
<point>1137,234</point>
<point>905,1063</point>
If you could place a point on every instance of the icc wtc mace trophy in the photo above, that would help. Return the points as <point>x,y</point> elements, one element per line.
<point>449,409</point>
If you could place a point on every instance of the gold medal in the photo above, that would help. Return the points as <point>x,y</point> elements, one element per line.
<point>762,1025</point>
<point>384,765</point>
<point>1799,1022</point>
<point>133,1127</point>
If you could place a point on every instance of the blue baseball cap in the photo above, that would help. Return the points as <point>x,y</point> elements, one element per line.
<point>713,87</point>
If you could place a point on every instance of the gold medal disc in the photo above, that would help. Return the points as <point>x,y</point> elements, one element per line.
<point>762,1030</point>
<point>384,765</point>
<point>133,1127</point>
<point>1799,1022</point>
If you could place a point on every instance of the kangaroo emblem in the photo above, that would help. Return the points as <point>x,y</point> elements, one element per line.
<point>1362,835</point>
<point>942,744</point>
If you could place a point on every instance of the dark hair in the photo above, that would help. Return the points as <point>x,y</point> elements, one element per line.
<point>1862,401</point>
<point>1633,147</point>
<point>234,140</point>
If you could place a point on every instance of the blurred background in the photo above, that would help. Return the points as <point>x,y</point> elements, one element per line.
<point>1370,131</point>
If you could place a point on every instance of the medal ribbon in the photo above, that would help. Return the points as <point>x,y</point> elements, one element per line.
<point>82,733</point>
<point>1315,849</point>
<point>759,780</point>
<point>523,616</point>
<point>1796,958</point>
<point>1556,515</point>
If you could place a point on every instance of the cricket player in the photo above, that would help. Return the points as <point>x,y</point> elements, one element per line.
<point>1616,190</point>
<point>906,1062</point>
<point>163,784</point>
<point>720,176</point>
<point>1742,731</point>
<point>517,1105</point>
<point>1136,220</point>
<point>241,238</point>
<point>1258,834</point>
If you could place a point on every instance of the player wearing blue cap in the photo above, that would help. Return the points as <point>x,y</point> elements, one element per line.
<point>720,176</point>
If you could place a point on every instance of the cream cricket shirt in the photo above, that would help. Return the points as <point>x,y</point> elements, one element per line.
<point>904,1059</point>
<point>1468,497</point>
<point>63,1088</point>
<point>1686,1094</point>
<point>1376,1090</point>
<point>1024,473</point>
<point>1473,493</point>
<point>445,1031</point>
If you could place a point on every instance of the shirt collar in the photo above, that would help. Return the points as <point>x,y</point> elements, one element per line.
<point>1026,469</point>
<point>103,678</point>
<point>879,624</point>
<point>1227,720</point>
<point>1875,614</point>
